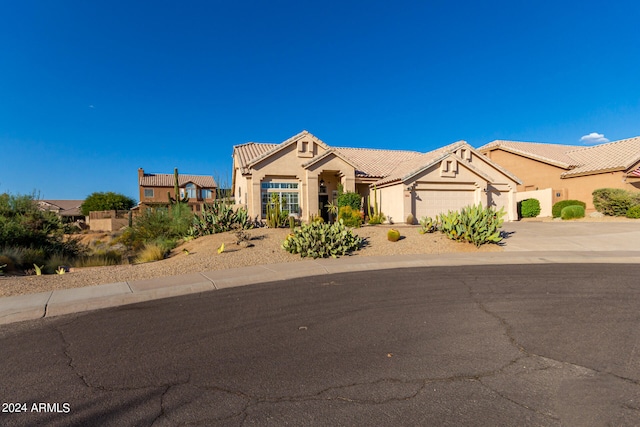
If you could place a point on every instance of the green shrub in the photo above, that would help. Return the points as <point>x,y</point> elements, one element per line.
<point>473,224</point>
<point>529,208</point>
<point>349,216</point>
<point>428,225</point>
<point>32,235</point>
<point>614,201</point>
<point>350,199</point>
<point>556,210</point>
<point>571,212</point>
<point>633,212</point>
<point>160,223</point>
<point>321,240</point>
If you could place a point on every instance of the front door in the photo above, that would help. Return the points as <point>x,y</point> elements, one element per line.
<point>323,199</point>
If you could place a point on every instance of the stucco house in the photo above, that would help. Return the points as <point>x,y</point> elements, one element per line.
<point>305,172</point>
<point>155,189</point>
<point>67,210</point>
<point>572,172</point>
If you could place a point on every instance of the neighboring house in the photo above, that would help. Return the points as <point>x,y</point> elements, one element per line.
<point>155,189</point>
<point>68,210</point>
<point>305,172</point>
<point>572,172</point>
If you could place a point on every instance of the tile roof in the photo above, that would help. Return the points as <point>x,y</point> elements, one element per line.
<point>385,166</point>
<point>374,163</point>
<point>548,153</point>
<point>616,155</point>
<point>405,169</point>
<point>168,180</point>
<point>250,151</point>
<point>65,207</point>
<point>284,144</point>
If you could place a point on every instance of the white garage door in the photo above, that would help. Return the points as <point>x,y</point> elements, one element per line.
<point>431,202</point>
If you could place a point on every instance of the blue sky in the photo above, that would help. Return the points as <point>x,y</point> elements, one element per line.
<point>92,90</point>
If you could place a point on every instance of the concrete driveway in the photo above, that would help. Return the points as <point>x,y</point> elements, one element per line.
<point>572,236</point>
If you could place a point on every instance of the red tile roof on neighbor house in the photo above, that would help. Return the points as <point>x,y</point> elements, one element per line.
<point>611,156</point>
<point>168,180</point>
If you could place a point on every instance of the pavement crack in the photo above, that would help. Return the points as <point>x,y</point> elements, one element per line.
<point>520,404</point>
<point>65,351</point>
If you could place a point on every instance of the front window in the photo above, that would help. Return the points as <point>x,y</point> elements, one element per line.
<point>207,193</point>
<point>148,192</point>
<point>289,200</point>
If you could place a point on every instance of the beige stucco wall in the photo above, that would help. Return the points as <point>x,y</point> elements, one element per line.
<point>538,175</point>
<point>391,202</point>
<point>287,166</point>
<point>544,196</point>
<point>402,201</point>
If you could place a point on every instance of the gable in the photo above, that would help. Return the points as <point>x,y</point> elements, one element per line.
<point>304,145</point>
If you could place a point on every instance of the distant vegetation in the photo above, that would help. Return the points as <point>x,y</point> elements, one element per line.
<point>106,202</point>
<point>31,237</point>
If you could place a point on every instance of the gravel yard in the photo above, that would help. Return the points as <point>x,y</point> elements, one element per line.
<point>203,256</point>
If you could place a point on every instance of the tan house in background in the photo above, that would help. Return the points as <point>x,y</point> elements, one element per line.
<point>571,172</point>
<point>155,189</point>
<point>306,172</point>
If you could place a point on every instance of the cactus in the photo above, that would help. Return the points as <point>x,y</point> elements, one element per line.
<point>428,225</point>
<point>321,240</point>
<point>375,216</point>
<point>276,215</point>
<point>473,224</point>
<point>393,235</point>
<point>176,187</point>
<point>410,219</point>
<point>219,217</point>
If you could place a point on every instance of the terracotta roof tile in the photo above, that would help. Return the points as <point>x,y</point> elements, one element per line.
<point>548,153</point>
<point>168,180</point>
<point>616,155</point>
<point>377,163</point>
<point>251,151</point>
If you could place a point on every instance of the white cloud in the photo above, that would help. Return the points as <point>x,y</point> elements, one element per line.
<point>91,106</point>
<point>593,138</point>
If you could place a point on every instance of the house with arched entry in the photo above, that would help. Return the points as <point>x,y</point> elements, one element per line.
<point>306,173</point>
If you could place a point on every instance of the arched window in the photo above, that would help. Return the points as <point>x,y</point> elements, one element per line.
<point>191,191</point>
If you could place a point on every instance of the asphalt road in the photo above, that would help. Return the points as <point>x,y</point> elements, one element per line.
<point>538,345</point>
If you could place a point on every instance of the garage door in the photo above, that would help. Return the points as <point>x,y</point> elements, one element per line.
<point>431,202</point>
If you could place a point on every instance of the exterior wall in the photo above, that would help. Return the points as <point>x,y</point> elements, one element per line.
<point>391,202</point>
<point>538,175</point>
<point>107,224</point>
<point>460,179</point>
<point>287,166</point>
<point>545,197</point>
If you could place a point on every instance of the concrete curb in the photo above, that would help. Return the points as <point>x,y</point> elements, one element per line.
<point>66,301</point>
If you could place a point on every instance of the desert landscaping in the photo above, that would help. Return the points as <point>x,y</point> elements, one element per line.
<point>201,254</point>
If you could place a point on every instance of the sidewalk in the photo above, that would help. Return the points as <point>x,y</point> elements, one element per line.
<point>528,243</point>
